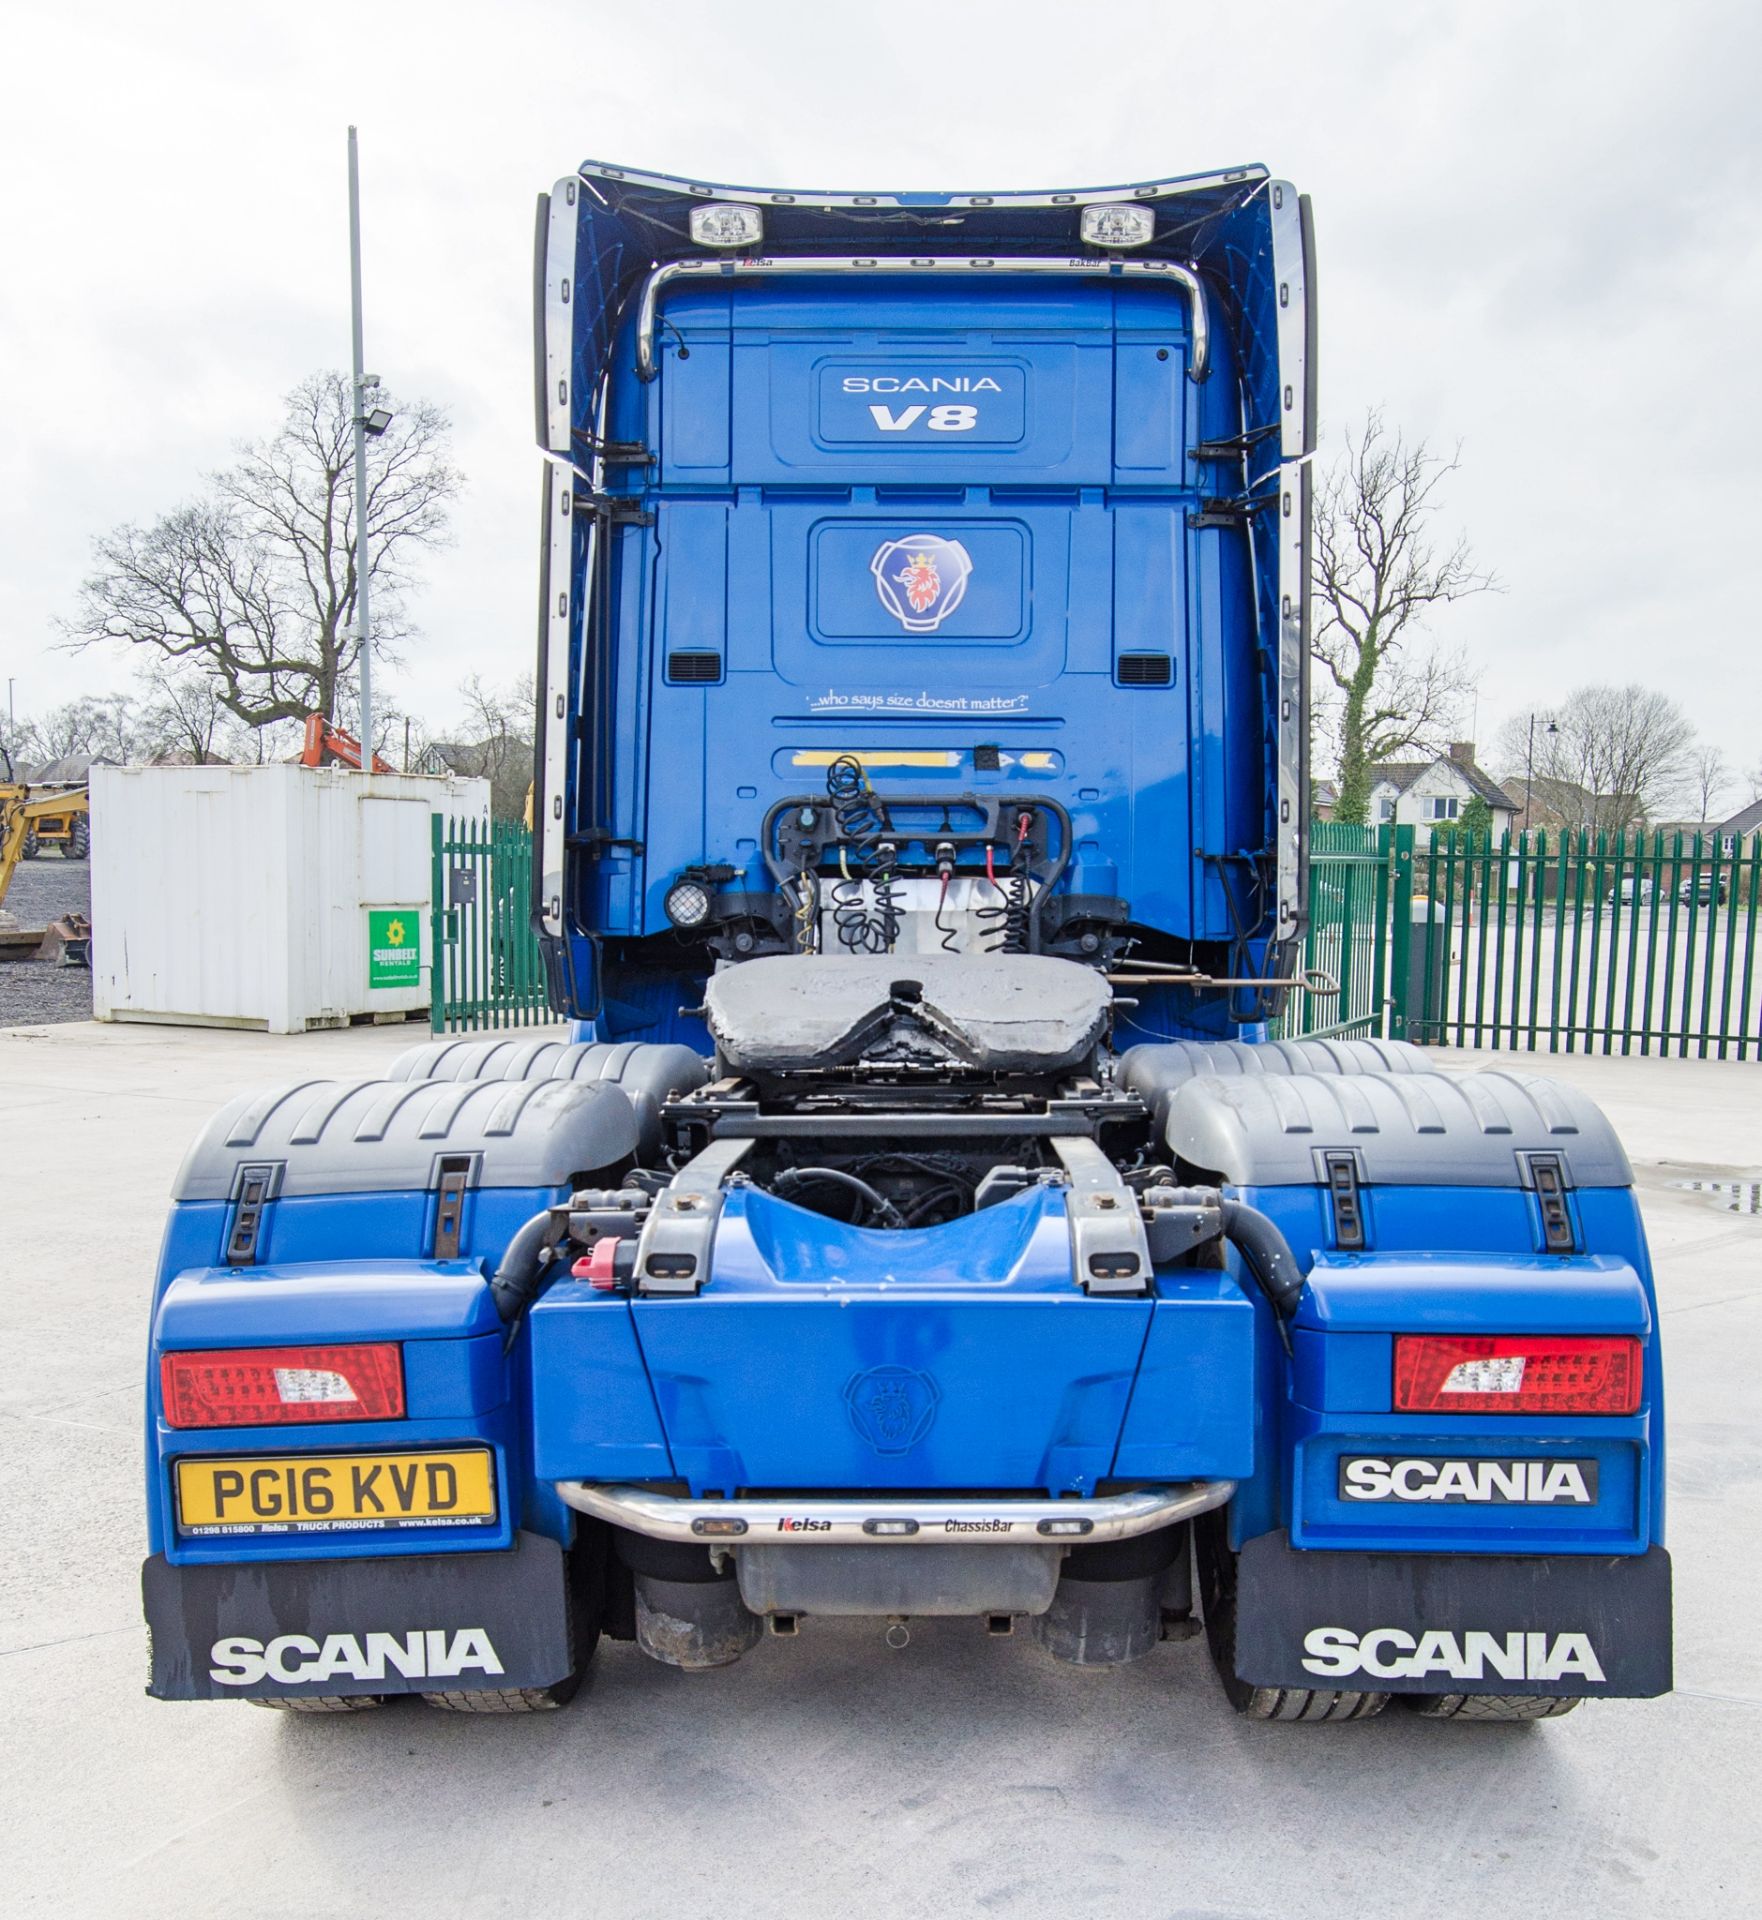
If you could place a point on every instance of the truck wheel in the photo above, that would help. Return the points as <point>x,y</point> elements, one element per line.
<point>587,1598</point>
<point>1486,1706</point>
<point>30,843</point>
<point>80,840</point>
<point>510,1699</point>
<point>1308,1703</point>
<point>1217,1579</point>
<point>325,1703</point>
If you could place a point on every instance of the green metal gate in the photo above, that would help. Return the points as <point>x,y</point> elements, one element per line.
<point>487,968</point>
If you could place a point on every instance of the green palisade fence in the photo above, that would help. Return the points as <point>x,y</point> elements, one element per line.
<point>1588,942</point>
<point>1636,943</point>
<point>1347,939</point>
<point>487,969</point>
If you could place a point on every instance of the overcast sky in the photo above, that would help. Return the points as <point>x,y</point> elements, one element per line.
<point>1538,232</point>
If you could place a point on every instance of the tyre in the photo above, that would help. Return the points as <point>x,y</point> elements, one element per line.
<point>587,1600</point>
<point>510,1699</point>
<point>79,842</point>
<point>1486,1706</point>
<point>30,843</point>
<point>1217,1579</point>
<point>326,1703</point>
<point>1307,1703</point>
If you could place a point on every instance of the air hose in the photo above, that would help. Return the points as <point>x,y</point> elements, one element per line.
<point>1265,1251</point>
<point>522,1269</point>
<point>883,1209</point>
<point>863,828</point>
<point>1011,922</point>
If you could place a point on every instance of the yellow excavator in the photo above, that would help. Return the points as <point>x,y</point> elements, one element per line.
<point>30,820</point>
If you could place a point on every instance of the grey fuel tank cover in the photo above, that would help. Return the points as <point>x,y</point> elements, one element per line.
<point>993,1013</point>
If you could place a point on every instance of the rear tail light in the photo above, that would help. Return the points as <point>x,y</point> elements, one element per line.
<point>282,1386</point>
<point>1496,1373</point>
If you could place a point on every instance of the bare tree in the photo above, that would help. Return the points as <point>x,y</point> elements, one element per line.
<point>1707,777</point>
<point>1613,758</point>
<point>245,746</point>
<point>1377,574</point>
<point>94,726</point>
<point>22,741</point>
<point>184,716</point>
<point>254,584</point>
<point>493,742</point>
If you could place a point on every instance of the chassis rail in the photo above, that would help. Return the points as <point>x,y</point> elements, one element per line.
<point>813,1520</point>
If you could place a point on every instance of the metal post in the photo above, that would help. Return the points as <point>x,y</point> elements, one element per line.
<point>363,624</point>
<point>1406,1021</point>
<point>437,927</point>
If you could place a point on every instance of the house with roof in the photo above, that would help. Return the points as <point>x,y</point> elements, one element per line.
<point>1550,804</point>
<point>1738,834</point>
<point>1434,793</point>
<point>1735,836</point>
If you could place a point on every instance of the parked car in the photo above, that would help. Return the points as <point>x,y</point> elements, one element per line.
<point>1707,890</point>
<point>1634,887</point>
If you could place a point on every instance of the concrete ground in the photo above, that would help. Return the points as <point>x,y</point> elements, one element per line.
<point>824,1776</point>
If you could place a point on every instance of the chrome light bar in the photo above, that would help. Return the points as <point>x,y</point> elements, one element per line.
<point>948,266</point>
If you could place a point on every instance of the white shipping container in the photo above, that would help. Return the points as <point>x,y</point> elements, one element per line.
<point>271,897</point>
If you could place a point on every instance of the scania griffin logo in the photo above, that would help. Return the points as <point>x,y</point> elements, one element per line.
<point>891,1407</point>
<point>1527,1483</point>
<point>921,579</point>
<point>1388,1653</point>
<point>295,1659</point>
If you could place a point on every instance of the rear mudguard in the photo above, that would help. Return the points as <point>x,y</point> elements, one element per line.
<point>1550,1624</point>
<point>440,1622</point>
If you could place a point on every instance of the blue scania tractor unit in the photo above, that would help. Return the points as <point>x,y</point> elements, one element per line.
<point>919,1220</point>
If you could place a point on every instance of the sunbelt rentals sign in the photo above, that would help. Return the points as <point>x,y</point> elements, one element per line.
<point>394,951</point>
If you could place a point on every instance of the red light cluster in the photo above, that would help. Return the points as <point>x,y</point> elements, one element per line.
<point>282,1386</point>
<point>1461,1373</point>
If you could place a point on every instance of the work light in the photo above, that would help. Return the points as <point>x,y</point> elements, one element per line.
<point>1117,224</point>
<point>722,224</point>
<point>688,903</point>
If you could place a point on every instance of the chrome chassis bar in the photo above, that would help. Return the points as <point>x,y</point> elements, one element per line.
<point>947,266</point>
<point>815,1520</point>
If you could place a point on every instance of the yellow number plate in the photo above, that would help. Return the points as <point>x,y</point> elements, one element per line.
<point>336,1492</point>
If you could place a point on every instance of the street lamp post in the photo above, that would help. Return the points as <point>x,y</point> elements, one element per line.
<point>1529,773</point>
<point>369,418</point>
<point>1529,803</point>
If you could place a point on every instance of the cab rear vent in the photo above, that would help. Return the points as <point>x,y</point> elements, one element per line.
<point>694,669</point>
<point>1145,670</point>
